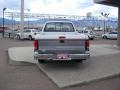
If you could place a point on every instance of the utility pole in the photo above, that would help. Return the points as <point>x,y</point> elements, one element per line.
<point>22,19</point>
<point>12,20</point>
<point>28,17</point>
<point>118,36</point>
<point>3,22</point>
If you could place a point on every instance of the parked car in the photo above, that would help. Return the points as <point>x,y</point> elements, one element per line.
<point>15,31</point>
<point>110,35</point>
<point>10,33</point>
<point>28,34</point>
<point>90,33</point>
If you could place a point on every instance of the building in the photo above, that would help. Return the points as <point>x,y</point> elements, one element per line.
<point>115,3</point>
<point>1,29</point>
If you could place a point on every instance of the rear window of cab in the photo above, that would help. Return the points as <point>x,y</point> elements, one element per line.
<point>59,27</point>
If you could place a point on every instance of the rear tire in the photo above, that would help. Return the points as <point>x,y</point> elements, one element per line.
<point>41,61</point>
<point>92,39</point>
<point>79,61</point>
<point>30,37</point>
<point>104,37</point>
<point>18,37</point>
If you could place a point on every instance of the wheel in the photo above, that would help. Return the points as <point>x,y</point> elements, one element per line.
<point>30,37</point>
<point>91,38</point>
<point>104,37</point>
<point>18,37</point>
<point>79,61</point>
<point>41,61</point>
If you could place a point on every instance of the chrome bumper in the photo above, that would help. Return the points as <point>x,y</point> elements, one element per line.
<point>53,57</point>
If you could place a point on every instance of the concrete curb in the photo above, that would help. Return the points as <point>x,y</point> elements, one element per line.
<point>14,60</point>
<point>16,53</point>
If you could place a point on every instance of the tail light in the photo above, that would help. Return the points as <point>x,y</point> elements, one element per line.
<point>35,44</point>
<point>87,44</point>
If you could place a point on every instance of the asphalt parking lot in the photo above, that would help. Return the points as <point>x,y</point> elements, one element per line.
<point>29,77</point>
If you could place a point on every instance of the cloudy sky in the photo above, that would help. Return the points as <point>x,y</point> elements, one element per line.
<point>63,7</point>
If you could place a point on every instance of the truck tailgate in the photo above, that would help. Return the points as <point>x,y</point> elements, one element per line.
<point>54,46</point>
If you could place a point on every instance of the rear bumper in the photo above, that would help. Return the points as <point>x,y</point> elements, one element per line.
<point>53,57</point>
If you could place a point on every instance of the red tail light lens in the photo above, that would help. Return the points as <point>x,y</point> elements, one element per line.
<point>87,44</point>
<point>36,44</point>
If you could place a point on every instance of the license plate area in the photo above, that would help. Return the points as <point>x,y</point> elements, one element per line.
<point>62,57</point>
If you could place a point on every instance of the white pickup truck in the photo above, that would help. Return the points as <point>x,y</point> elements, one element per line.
<point>59,40</point>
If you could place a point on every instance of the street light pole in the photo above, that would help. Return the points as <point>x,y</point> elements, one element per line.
<point>28,18</point>
<point>3,22</point>
<point>104,25</point>
<point>22,19</point>
<point>105,15</point>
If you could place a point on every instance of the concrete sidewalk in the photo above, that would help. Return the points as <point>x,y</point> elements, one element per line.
<point>103,63</point>
<point>26,54</point>
<point>21,55</point>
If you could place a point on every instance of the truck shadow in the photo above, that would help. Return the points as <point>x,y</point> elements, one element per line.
<point>66,65</point>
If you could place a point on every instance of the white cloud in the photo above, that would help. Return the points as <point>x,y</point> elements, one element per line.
<point>56,6</point>
<point>64,7</point>
<point>97,9</point>
<point>71,7</point>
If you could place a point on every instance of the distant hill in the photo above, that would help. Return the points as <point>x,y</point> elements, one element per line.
<point>7,21</point>
<point>78,23</point>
